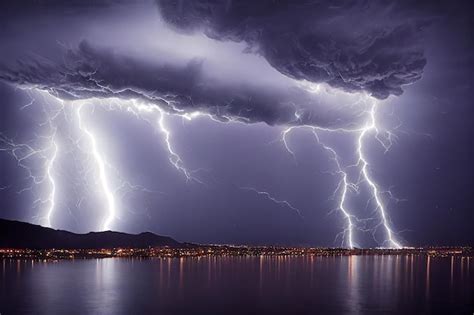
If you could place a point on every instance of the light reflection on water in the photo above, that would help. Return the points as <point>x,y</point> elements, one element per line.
<point>238,285</point>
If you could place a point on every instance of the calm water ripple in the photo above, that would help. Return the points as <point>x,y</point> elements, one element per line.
<point>239,285</point>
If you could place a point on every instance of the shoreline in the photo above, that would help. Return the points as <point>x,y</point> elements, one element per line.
<point>226,251</point>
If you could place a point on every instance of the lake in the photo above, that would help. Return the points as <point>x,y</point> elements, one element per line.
<point>239,285</point>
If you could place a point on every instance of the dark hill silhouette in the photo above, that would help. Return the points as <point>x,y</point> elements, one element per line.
<point>15,234</point>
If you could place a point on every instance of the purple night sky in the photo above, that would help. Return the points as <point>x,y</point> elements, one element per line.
<point>240,121</point>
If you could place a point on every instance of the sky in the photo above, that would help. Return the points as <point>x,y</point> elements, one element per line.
<point>316,123</point>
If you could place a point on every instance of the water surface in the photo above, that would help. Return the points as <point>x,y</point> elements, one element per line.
<point>239,285</point>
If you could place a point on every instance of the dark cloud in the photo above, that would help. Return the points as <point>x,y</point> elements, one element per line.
<point>12,9</point>
<point>106,55</point>
<point>88,71</point>
<point>351,45</point>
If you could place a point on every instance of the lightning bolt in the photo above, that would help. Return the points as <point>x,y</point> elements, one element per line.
<point>372,126</point>
<point>23,152</point>
<point>52,195</point>
<point>104,182</point>
<point>273,199</point>
<point>142,111</point>
<point>44,150</point>
<point>173,157</point>
<point>344,185</point>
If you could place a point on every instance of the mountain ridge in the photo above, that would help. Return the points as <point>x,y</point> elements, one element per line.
<point>17,234</point>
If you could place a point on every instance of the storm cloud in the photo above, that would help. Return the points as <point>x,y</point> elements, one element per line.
<point>350,45</point>
<point>260,61</point>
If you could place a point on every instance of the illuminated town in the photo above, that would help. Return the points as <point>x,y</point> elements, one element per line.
<point>225,250</point>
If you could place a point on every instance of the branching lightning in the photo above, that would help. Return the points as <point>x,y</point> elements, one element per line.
<point>52,195</point>
<point>273,199</point>
<point>104,182</point>
<point>23,153</point>
<point>345,185</point>
<point>371,126</point>
<point>45,150</point>
<point>156,116</point>
<point>174,158</point>
<point>142,111</point>
<point>27,156</point>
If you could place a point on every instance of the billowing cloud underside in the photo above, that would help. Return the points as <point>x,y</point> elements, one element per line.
<point>350,46</point>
